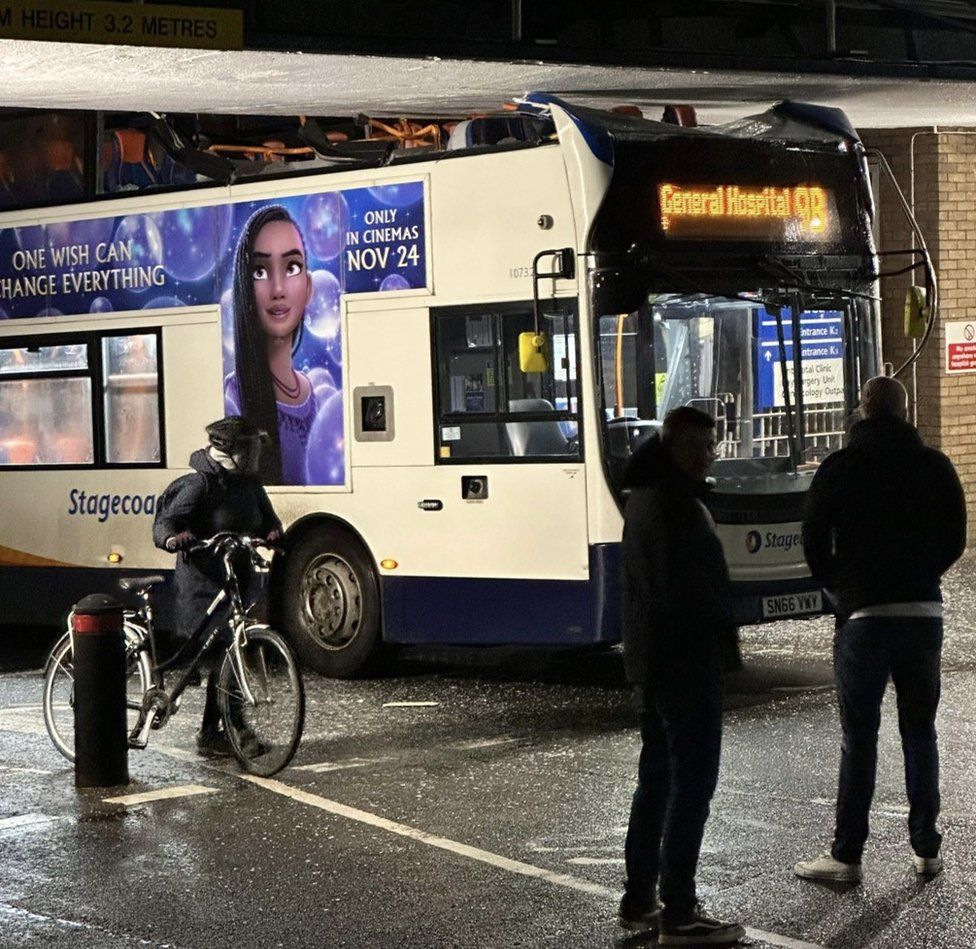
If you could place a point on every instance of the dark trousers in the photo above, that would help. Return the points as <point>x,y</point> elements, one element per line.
<point>681,728</point>
<point>866,652</point>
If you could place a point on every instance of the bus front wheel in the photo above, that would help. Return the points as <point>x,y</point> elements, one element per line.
<point>331,603</point>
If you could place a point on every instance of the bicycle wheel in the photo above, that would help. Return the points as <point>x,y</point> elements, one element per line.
<point>264,734</point>
<point>59,689</point>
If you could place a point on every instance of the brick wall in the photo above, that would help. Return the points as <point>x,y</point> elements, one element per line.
<point>945,205</point>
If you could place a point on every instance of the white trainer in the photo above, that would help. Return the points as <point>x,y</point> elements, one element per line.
<point>927,866</point>
<point>825,867</point>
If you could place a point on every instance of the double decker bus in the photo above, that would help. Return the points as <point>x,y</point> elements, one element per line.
<point>455,350</point>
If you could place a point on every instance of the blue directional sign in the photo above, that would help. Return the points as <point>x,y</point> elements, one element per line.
<point>821,353</point>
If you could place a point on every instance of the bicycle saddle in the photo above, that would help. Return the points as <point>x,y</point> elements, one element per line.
<point>141,583</point>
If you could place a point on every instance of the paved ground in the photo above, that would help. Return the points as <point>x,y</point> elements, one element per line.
<point>493,818</point>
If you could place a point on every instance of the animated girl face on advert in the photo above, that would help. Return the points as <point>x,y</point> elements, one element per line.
<point>272,291</point>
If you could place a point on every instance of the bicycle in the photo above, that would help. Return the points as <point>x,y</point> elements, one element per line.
<point>260,689</point>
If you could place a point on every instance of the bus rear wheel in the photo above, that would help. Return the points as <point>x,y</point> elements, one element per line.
<point>331,603</point>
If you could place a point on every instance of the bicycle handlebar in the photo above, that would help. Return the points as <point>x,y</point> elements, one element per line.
<point>228,540</point>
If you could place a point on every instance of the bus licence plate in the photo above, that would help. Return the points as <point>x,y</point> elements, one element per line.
<point>792,604</point>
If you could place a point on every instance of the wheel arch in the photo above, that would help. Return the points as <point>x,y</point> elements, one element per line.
<point>301,528</point>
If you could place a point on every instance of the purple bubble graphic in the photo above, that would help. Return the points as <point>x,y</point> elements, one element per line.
<point>188,236</point>
<point>4,315</point>
<point>164,303</point>
<point>101,305</point>
<point>139,234</point>
<point>325,461</point>
<point>324,220</point>
<point>399,196</point>
<point>49,311</point>
<point>395,281</point>
<point>321,379</point>
<point>322,312</point>
<point>30,238</point>
<point>227,329</point>
<point>90,234</point>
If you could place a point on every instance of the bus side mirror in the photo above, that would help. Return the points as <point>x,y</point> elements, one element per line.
<point>565,267</point>
<point>532,352</point>
<point>916,312</point>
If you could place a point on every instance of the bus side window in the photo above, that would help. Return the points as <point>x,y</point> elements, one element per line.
<point>487,407</point>
<point>131,399</point>
<point>49,386</point>
<point>45,406</point>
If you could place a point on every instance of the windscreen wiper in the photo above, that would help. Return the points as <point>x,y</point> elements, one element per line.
<point>777,312</point>
<point>783,272</point>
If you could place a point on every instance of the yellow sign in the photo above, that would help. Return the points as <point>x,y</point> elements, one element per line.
<point>128,24</point>
<point>799,212</point>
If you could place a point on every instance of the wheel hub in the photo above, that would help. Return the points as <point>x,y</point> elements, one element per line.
<point>331,601</point>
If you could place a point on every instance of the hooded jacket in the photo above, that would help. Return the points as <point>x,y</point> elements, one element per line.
<point>886,517</point>
<point>677,600</point>
<point>206,502</point>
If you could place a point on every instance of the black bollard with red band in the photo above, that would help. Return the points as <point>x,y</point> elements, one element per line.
<point>101,742</point>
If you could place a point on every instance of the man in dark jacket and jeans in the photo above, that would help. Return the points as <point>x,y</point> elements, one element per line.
<point>886,517</point>
<point>222,494</point>
<point>678,637</point>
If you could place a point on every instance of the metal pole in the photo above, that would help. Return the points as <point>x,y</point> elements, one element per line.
<point>831,25</point>
<point>516,21</point>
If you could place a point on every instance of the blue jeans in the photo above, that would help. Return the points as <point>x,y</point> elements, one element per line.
<point>681,728</point>
<point>866,652</point>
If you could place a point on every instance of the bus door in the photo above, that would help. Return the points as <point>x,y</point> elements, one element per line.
<point>506,558</point>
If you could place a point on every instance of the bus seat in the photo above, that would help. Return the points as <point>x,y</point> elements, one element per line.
<point>72,450</point>
<point>495,130</point>
<point>526,439</point>
<point>8,194</point>
<point>20,451</point>
<point>126,164</point>
<point>459,136</point>
<point>62,178</point>
<point>130,163</point>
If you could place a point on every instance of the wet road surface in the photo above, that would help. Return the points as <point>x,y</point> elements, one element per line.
<point>492,816</point>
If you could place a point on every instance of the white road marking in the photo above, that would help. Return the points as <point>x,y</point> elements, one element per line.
<point>476,853</point>
<point>9,767</point>
<point>23,720</point>
<point>410,704</point>
<point>184,790</point>
<point>324,766</point>
<point>897,811</point>
<point>775,939</point>
<point>483,743</point>
<point>614,848</point>
<point>24,820</point>
<point>595,861</point>
<point>443,843</point>
<point>39,918</point>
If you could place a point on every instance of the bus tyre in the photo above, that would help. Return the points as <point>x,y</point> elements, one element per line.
<point>331,603</point>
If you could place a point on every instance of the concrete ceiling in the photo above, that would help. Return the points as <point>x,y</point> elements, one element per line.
<point>66,75</point>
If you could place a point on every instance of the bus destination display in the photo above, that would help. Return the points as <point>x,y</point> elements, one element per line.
<point>733,212</point>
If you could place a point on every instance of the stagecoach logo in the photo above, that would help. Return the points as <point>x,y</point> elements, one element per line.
<point>783,541</point>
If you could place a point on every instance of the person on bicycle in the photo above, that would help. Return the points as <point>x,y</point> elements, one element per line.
<point>222,494</point>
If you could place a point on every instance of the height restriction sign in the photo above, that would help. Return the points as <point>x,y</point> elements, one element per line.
<point>961,346</point>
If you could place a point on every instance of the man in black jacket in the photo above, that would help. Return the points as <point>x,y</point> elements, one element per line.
<point>678,638</point>
<point>222,494</point>
<point>886,517</point>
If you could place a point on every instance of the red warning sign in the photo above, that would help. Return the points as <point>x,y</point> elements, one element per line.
<point>960,347</point>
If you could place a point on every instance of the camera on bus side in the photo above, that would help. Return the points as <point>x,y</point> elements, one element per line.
<point>474,487</point>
